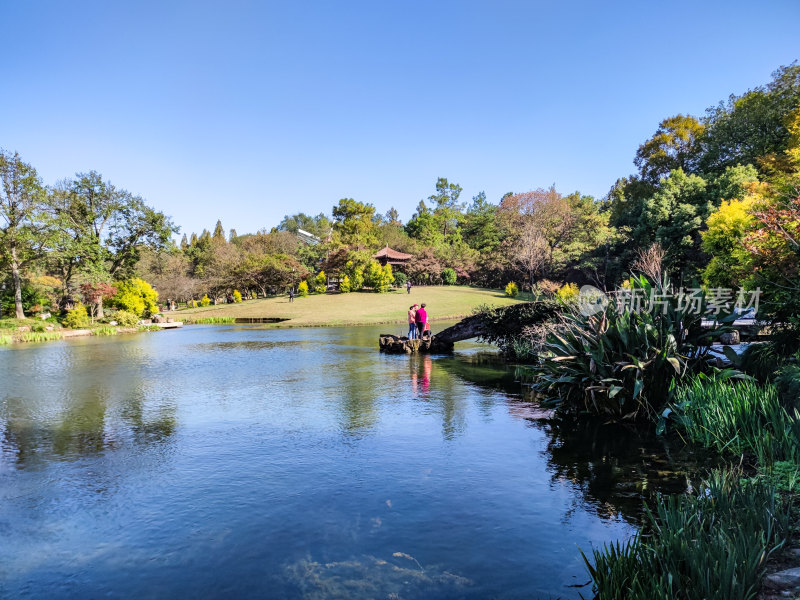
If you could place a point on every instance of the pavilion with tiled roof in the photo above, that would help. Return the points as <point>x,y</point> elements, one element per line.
<point>392,257</point>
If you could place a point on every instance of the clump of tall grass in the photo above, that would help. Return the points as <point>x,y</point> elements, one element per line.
<point>105,331</point>
<point>211,321</point>
<point>711,544</point>
<point>5,340</point>
<point>737,418</point>
<point>149,328</point>
<point>41,336</point>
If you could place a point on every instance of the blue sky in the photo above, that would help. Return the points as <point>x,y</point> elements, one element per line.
<point>247,111</point>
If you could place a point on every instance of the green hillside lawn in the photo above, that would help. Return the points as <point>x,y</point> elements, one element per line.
<point>360,308</point>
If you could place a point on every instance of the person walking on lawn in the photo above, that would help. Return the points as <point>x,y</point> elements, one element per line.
<point>412,321</point>
<point>408,286</point>
<point>421,319</point>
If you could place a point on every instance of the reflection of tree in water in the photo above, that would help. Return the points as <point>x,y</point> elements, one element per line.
<point>359,396</point>
<point>148,424</point>
<point>485,369</point>
<point>615,466</point>
<point>82,426</point>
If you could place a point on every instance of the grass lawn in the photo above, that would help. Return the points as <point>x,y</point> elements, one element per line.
<point>360,308</point>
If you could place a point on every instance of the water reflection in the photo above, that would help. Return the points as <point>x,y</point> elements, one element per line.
<point>615,466</point>
<point>83,403</point>
<point>421,367</point>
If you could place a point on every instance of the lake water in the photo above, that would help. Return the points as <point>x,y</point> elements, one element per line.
<point>247,462</point>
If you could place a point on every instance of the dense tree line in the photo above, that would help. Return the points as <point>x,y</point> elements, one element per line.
<point>69,242</point>
<point>717,193</point>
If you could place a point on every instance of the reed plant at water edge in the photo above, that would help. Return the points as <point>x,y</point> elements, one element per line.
<point>735,418</point>
<point>711,544</point>
<point>41,336</point>
<point>210,320</point>
<point>103,331</point>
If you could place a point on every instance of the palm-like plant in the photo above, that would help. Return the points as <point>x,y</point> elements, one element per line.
<point>622,362</point>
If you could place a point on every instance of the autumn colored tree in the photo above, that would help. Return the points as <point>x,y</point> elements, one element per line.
<point>94,294</point>
<point>775,246</point>
<point>551,231</point>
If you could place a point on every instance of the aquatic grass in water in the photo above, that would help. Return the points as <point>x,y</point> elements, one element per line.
<point>5,340</point>
<point>210,321</point>
<point>712,544</point>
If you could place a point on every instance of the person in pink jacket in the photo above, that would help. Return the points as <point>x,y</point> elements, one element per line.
<point>421,319</point>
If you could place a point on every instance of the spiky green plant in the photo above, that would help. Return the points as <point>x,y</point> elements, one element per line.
<point>621,362</point>
<point>711,544</point>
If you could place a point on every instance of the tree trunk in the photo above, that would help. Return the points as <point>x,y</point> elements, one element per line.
<point>98,308</point>
<point>17,284</point>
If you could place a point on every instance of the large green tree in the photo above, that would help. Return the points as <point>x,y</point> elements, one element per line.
<point>675,145</point>
<point>752,128</point>
<point>23,223</point>
<point>318,226</point>
<point>101,230</point>
<point>438,222</point>
<point>481,229</point>
<point>354,223</point>
<point>673,217</point>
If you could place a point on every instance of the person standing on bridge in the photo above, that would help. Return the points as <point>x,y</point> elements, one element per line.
<point>422,320</point>
<point>412,321</point>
